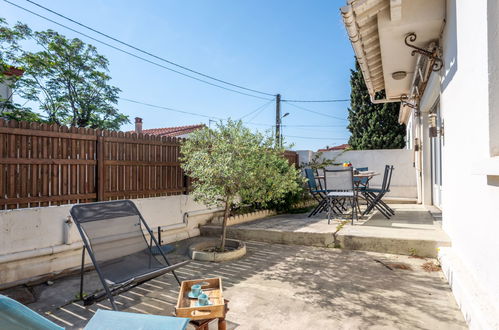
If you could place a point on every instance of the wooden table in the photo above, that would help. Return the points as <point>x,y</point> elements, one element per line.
<point>360,175</point>
<point>366,174</point>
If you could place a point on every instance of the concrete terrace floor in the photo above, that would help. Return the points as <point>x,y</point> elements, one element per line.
<point>412,230</point>
<point>287,287</point>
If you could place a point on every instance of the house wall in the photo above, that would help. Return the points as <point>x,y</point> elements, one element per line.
<point>37,241</point>
<point>403,183</point>
<point>5,91</point>
<point>471,186</point>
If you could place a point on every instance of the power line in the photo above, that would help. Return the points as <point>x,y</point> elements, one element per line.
<point>313,138</point>
<point>185,112</point>
<point>259,108</point>
<point>133,55</point>
<point>161,58</point>
<point>317,101</point>
<point>168,108</point>
<point>258,113</point>
<point>305,129</point>
<point>316,112</point>
<point>313,125</point>
<point>257,124</point>
<point>149,53</point>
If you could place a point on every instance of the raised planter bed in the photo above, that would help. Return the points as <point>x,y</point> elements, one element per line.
<point>202,251</point>
<point>242,218</point>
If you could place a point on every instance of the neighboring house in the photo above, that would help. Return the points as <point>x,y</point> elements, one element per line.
<point>178,131</point>
<point>441,58</point>
<point>335,148</point>
<point>5,89</point>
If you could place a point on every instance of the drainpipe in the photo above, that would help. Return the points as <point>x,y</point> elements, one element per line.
<point>67,230</point>
<point>185,218</point>
<point>200,212</point>
<point>419,159</point>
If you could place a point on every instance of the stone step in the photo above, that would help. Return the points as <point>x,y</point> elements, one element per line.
<point>271,235</point>
<point>401,241</point>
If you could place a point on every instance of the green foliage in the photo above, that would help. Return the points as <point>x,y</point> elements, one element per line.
<point>373,126</point>
<point>230,164</point>
<point>232,161</point>
<point>67,78</point>
<point>13,111</point>
<point>288,201</point>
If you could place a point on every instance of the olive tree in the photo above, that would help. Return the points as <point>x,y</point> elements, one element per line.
<point>231,163</point>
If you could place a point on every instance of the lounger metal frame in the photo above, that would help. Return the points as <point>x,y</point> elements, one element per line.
<point>109,290</point>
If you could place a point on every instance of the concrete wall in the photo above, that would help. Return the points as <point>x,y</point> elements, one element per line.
<point>5,91</point>
<point>403,183</point>
<point>470,183</point>
<point>37,241</point>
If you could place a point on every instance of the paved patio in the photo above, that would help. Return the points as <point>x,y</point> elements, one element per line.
<point>288,287</point>
<point>412,230</point>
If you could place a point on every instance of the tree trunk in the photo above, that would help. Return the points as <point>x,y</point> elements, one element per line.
<point>224,224</point>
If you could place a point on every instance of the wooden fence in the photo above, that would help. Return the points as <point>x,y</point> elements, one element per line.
<point>292,158</point>
<point>42,165</point>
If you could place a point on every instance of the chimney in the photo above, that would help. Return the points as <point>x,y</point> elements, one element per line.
<point>138,125</point>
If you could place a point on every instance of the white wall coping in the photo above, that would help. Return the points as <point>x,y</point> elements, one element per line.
<point>16,256</point>
<point>487,166</point>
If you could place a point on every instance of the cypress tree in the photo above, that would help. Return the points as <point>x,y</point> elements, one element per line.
<point>373,126</point>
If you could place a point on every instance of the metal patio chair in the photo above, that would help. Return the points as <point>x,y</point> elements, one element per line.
<point>113,235</point>
<point>374,196</point>
<point>361,182</point>
<point>340,190</point>
<point>317,192</point>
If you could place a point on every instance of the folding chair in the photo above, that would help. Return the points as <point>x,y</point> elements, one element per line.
<point>340,189</point>
<point>317,193</point>
<point>113,235</point>
<point>361,182</point>
<point>374,196</point>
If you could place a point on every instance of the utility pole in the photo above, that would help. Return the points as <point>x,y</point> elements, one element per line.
<point>278,119</point>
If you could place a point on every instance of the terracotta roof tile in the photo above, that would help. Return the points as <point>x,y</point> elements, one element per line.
<point>173,131</point>
<point>340,147</point>
<point>13,71</point>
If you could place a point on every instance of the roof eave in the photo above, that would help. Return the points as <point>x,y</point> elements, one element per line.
<point>354,36</point>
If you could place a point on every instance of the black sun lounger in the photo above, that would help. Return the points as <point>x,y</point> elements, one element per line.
<point>113,235</point>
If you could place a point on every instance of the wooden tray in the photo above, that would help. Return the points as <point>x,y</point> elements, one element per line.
<point>186,306</point>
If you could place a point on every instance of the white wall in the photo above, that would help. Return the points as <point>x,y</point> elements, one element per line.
<point>33,241</point>
<point>470,196</point>
<point>403,183</point>
<point>5,91</point>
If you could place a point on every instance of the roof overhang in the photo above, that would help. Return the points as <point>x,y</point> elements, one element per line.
<point>377,30</point>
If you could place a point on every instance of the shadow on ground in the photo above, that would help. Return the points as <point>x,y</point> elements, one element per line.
<point>282,286</point>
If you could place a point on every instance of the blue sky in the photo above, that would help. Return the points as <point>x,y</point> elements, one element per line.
<point>296,48</point>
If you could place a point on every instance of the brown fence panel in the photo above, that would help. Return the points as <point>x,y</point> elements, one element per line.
<point>138,166</point>
<point>292,157</point>
<point>42,165</point>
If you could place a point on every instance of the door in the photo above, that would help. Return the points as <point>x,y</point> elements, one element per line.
<point>435,132</point>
